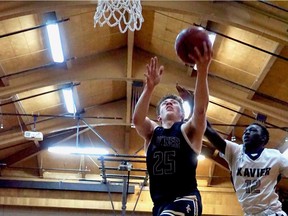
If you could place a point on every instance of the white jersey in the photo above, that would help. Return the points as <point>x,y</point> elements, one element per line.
<point>255,179</point>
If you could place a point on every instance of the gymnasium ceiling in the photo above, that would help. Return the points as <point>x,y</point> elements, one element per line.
<point>248,79</point>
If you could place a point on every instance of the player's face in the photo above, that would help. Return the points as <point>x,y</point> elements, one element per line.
<point>253,136</point>
<point>170,107</point>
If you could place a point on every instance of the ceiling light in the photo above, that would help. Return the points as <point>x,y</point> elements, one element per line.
<point>212,37</point>
<point>66,150</point>
<point>69,100</point>
<point>187,109</point>
<point>55,42</point>
<point>201,157</point>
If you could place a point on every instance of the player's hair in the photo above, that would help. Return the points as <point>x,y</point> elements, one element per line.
<point>170,96</point>
<point>264,131</point>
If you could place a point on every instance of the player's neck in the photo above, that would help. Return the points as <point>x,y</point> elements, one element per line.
<point>167,124</point>
<point>169,120</point>
<point>253,150</point>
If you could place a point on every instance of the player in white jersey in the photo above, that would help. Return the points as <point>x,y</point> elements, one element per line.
<point>254,169</point>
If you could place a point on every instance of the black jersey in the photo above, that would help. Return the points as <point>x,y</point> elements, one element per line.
<point>171,165</point>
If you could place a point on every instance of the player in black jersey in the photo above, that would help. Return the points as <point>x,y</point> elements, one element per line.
<point>173,147</point>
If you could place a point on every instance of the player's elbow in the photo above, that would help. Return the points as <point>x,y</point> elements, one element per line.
<point>136,120</point>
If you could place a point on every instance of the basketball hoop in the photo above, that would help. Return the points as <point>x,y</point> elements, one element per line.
<point>124,13</point>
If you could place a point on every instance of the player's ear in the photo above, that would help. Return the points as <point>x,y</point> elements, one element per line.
<point>263,139</point>
<point>159,118</point>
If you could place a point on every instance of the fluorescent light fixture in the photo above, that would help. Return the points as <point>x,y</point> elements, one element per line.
<point>212,37</point>
<point>66,150</point>
<point>69,100</point>
<point>187,109</point>
<point>55,42</point>
<point>201,157</point>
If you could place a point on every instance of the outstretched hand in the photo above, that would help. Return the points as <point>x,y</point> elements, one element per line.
<point>154,73</point>
<point>202,60</point>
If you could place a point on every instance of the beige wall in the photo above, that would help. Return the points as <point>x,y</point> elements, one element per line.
<point>33,211</point>
<point>216,201</point>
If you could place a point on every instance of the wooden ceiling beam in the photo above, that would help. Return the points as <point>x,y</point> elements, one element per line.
<point>3,81</point>
<point>21,155</point>
<point>130,47</point>
<point>94,68</point>
<point>211,174</point>
<point>21,8</point>
<point>33,149</point>
<point>270,62</point>
<point>228,13</point>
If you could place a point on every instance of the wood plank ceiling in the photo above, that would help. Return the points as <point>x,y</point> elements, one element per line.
<point>248,78</point>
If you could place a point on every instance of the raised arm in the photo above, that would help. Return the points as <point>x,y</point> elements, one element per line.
<point>196,125</point>
<point>143,124</point>
<point>215,138</point>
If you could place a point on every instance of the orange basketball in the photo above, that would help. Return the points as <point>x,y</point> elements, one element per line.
<point>187,39</point>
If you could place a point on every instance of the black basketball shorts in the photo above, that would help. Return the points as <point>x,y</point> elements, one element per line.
<point>183,206</point>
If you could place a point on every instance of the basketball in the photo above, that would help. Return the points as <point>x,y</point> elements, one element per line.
<point>187,39</point>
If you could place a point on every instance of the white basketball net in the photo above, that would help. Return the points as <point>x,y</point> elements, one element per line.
<point>124,13</point>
